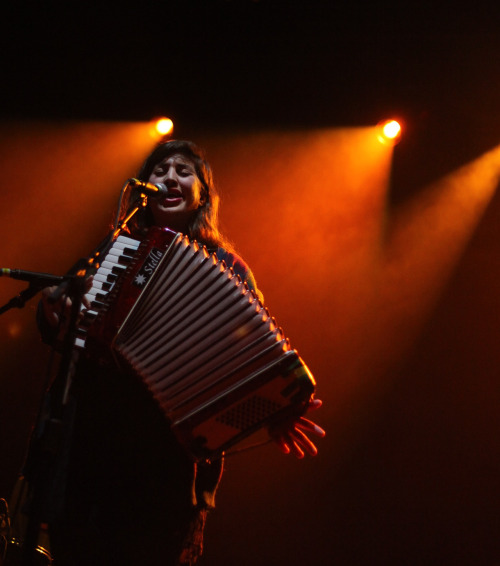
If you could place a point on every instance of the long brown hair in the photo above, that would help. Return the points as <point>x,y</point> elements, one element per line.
<point>204,226</point>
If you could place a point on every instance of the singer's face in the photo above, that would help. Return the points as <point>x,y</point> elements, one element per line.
<point>184,192</point>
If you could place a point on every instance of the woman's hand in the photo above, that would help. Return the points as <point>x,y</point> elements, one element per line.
<point>292,436</point>
<point>59,310</point>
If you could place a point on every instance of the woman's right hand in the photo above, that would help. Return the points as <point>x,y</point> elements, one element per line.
<point>52,310</point>
<point>57,313</point>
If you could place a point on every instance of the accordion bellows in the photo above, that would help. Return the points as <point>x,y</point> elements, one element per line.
<point>200,340</point>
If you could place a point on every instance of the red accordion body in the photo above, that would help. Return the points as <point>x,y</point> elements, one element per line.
<point>203,344</point>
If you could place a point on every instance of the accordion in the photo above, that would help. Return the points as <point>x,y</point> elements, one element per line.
<point>197,337</point>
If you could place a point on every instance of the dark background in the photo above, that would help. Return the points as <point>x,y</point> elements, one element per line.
<point>408,473</point>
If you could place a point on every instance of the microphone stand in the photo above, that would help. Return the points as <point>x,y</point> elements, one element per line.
<point>52,430</point>
<point>49,431</point>
<point>37,282</point>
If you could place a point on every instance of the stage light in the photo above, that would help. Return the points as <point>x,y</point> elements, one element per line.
<point>389,132</point>
<point>164,126</point>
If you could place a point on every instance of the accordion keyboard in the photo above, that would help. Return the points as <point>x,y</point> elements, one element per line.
<point>115,262</point>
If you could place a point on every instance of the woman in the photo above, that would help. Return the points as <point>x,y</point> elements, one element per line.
<point>128,492</point>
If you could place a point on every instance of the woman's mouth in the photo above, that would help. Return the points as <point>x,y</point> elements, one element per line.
<point>173,198</point>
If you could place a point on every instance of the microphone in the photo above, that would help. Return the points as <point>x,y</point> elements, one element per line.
<point>158,190</point>
<point>31,276</point>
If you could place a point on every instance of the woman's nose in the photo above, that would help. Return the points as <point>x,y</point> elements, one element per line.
<point>171,177</point>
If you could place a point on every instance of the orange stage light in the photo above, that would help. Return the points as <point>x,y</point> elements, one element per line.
<point>164,126</point>
<point>389,132</point>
